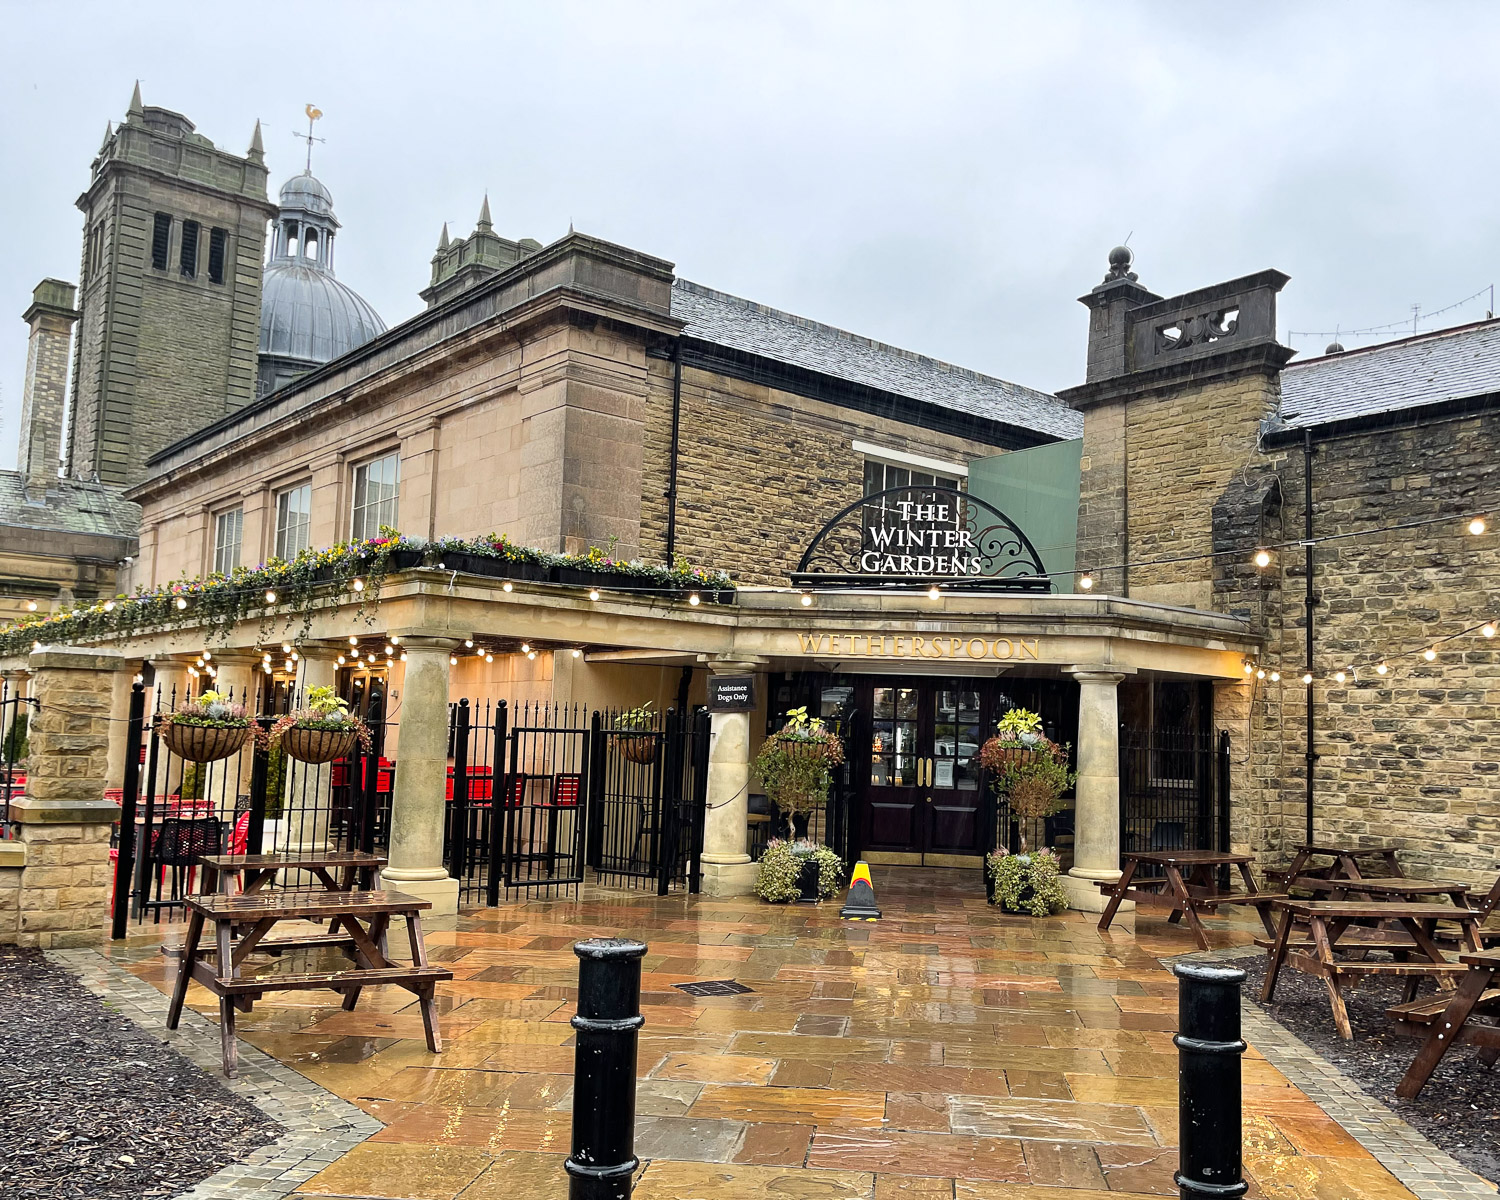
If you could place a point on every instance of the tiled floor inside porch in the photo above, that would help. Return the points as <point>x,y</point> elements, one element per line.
<point>946,1051</point>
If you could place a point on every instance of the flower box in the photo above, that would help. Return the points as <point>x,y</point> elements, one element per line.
<point>585,577</point>
<point>471,564</point>
<point>318,745</point>
<point>203,743</point>
<point>405,560</point>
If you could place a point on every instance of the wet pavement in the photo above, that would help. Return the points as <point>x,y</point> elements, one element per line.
<point>945,1051</point>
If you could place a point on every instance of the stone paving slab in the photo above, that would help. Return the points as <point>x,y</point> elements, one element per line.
<point>319,1127</point>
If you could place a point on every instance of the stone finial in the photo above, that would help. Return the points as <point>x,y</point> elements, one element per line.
<point>257,151</point>
<point>1120,259</point>
<point>136,108</point>
<point>1334,348</point>
<point>484,223</point>
<point>109,132</point>
<point>443,238</point>
<point>51,317</point>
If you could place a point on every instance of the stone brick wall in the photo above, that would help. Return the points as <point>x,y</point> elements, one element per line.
<point>59,898</point>
<point>760,470</point>
<point>1412,757</point>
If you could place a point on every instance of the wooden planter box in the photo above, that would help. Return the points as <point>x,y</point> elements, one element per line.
<point>203,743</point>
<point>317,745</point>
<point>472,564</point>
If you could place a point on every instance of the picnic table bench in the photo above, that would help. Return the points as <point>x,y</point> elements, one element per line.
<point>256,871</point>
<point>1382,888</point>
<point>1444,1021</point>
<point>1345,862</point>
<point>364,916</point>
<point>1328,921</point>
<point>1185,897</point>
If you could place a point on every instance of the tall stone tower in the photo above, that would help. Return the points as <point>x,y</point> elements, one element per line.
<point>170,289</point>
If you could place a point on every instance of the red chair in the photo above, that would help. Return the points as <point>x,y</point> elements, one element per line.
<point>562,794</point>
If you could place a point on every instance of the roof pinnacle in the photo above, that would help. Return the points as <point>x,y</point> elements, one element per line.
<point>136,109</point>
<point>443,240</point>
<point>484,223</point>
<point>257,150</point>
<point>109,132</point>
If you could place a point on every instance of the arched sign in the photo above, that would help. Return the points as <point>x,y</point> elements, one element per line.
<point>920,536</point>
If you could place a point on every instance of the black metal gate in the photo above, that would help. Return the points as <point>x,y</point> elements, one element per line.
<point>254,801</point>
<point>648,798</point>
<point>15,723</point>
<point>1174,790</point>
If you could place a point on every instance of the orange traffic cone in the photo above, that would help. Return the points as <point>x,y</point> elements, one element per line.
<point>860,904</point>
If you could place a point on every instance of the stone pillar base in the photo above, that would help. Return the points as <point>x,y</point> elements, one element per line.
<point>729,878</point>
<point>1085,896</point>
<point>443,892</point>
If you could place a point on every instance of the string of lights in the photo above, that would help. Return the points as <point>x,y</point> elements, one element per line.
<point>1392,326</point>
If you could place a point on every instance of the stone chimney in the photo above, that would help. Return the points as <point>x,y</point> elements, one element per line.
<point>51,317</point>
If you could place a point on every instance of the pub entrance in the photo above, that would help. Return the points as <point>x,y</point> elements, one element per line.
<point>913,787</point>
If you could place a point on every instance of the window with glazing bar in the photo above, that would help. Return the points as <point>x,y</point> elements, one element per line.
<point>376,484</point>
<point>293,521</point>
<point>228,527</point>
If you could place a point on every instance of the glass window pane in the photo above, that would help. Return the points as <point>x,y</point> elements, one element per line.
<point>227,530</point>
<point>885,702</point>
<point>293,521</point>
<point>906,703</point>
<point>376,485</point>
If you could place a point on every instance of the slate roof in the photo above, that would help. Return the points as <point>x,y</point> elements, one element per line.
<point>743,325</point>
<point>1447,364</point>
<point>75,507</point>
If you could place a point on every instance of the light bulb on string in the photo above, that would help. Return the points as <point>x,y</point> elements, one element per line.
<point>531,654</point>
<point>693,599</point>
<point>1381,668</point>
<point>1275,676</point>
<point>403,656</point>
<point>31,606</point>
<point>1307,678</point>
<point>468,643</point>
<point>341,660</point>
<point>525,648</point>
<point>181,603</point>
<point>359,585</point>
<point>354,641</point>
<point>389,649</point>
<point>577,653</point>
<point>286,647</point>
<point>453,660</point>
<point>1339,677</point>
<point>1260,674</point>
<point>1248,666</point>
<point>1488,629</point>
<point>1477,526</point>
<point>1086,581</point>
<point>806,600</point>
<point>1262,558</point>
<point>395,641</point>
<point>489,658</point>
<point>933,593</point>
<point>207,656</point>
<point>109,606</point>
<point>1430,653</point>
<point>507,586</point>
<point>593,593</point>
<point>270,596</point>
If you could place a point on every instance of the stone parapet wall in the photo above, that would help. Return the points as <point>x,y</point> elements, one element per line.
<point>55,879</point>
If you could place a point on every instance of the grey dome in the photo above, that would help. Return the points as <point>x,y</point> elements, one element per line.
<point>307,317</point>
<point>306,313</point>
<point>307,193</point>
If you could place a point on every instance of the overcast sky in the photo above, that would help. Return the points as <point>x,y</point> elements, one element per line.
<point>947,177</point>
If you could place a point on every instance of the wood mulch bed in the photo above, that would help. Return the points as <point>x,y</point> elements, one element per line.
<point>1458,1110</point>
<point>96,1109</point>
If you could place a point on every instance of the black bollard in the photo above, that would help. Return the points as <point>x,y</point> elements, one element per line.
<point>1208,1080</point>
<point>603,1161</point>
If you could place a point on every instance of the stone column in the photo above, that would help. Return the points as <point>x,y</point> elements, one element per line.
<point>1096,830</point>
<point>308,805</point>
<point>727,869</point>
<point>417,807</point>
<point>54,885</point>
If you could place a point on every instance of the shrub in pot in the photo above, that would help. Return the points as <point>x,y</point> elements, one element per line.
<point>1025,883</point>
<point>322,730</point>
<point>795,765</point>
<point>801,871</point>
<point>206,729</point>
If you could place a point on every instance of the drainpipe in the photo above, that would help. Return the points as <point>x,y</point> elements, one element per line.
<point>671,492</point>
<point>1307,543</point>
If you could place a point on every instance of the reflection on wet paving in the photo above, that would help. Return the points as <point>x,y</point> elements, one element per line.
<point>946,1051</point>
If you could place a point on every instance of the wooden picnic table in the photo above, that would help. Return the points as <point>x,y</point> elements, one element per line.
<point>256,871</point>
<point>1448,1020</point>
<point>365,917</point>
<point>1185,897</point>
<point>1345,862</point>
<point>1328,921</point>
<point>1382,888</point>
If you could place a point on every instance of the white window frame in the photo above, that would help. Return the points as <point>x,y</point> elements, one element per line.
<point>225,519</point>
<point>901,458</point>
<point>290,530</point>
<point>365,517</point>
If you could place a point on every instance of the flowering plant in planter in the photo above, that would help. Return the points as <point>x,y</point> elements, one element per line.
<point>205,729</point>
<point>634,733</point>
<point>789,871</point>
<point>796,763</point>
<point>1025,883</point>
<point>322,730</point>
<point>1026,767</point>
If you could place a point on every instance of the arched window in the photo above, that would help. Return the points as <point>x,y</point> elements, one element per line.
<point>310,245</point>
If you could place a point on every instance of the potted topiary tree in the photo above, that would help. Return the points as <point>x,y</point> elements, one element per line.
<point>322,730</point>
<point>795,766</point>
<point>206,729</point>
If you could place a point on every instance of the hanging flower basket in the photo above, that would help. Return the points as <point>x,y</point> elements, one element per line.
<point>203,743</point>
<point>637,747</point>
<point>318,745</point>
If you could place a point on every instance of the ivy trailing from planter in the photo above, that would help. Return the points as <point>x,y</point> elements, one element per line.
<point>1026,883</point>
<point>206,729</point>
<point>778,877</point>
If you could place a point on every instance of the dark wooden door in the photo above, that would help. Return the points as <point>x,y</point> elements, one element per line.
<point>922,794</point>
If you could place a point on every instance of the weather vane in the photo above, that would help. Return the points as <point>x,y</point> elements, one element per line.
<point>313,113</point>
